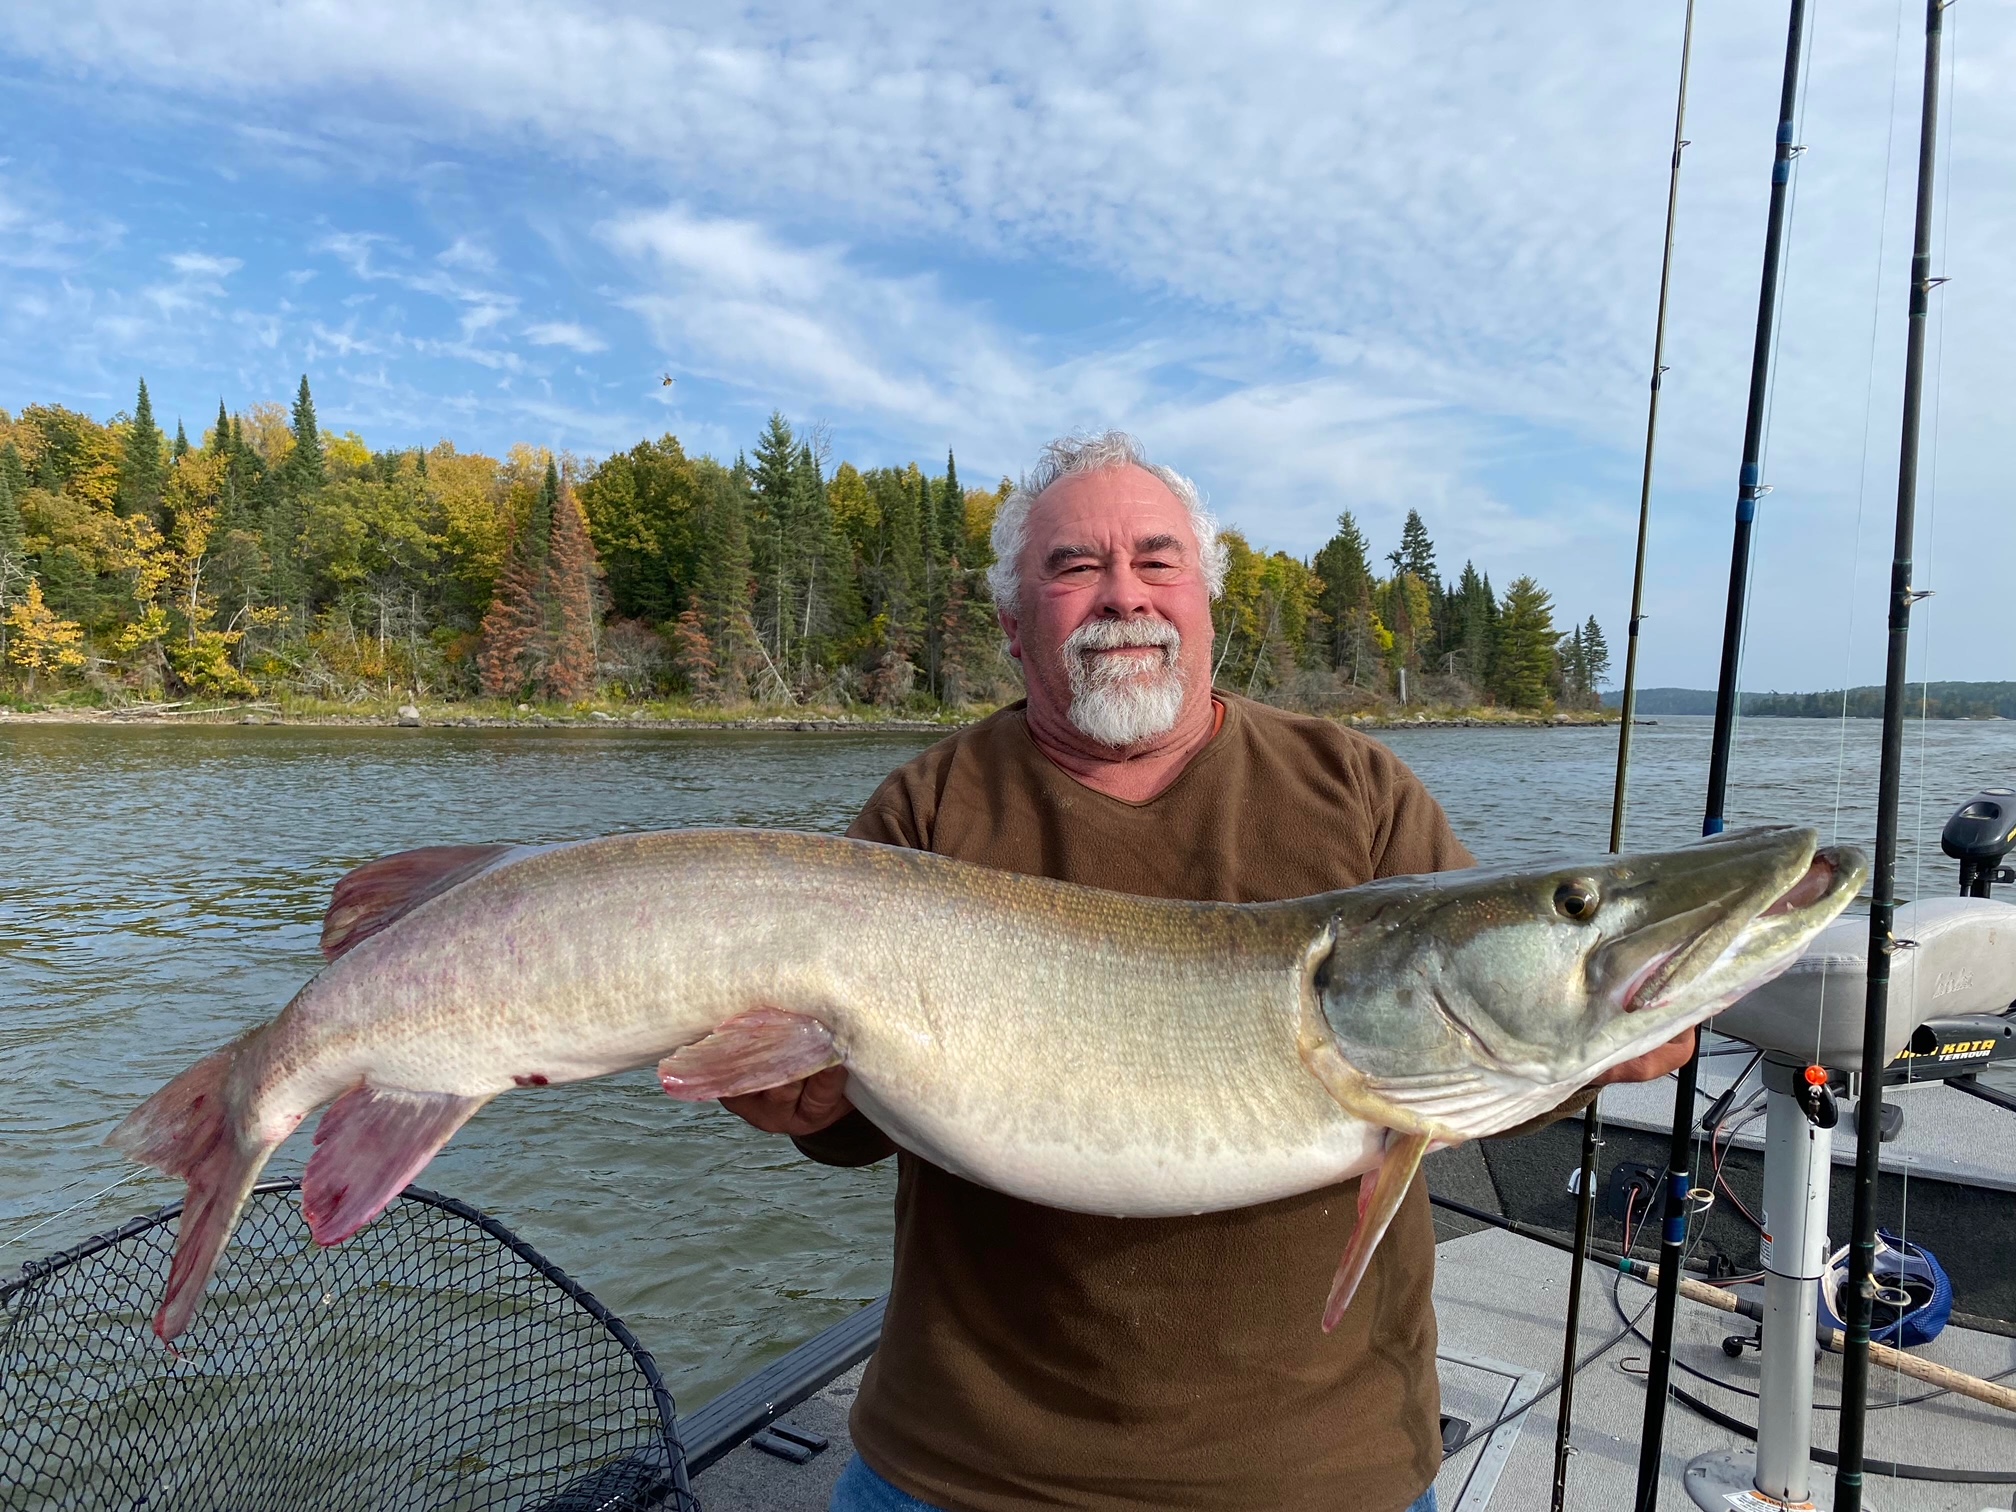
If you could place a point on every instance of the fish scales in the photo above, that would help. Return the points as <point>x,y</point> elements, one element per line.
<point>1083,1049</point>
<point>1161,1036</point>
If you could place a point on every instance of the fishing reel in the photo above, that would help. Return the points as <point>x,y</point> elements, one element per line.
<point>1981,832</point>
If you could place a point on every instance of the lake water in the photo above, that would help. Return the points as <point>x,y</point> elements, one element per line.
<point>161,889</point>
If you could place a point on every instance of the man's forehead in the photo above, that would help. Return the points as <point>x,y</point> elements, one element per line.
<point>1129,504</point>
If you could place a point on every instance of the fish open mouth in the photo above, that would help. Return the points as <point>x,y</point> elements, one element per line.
<point>1822,878</point>
<point>1808,890</point>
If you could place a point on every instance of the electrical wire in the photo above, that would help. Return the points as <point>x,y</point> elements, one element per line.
<point>1717,1147</point>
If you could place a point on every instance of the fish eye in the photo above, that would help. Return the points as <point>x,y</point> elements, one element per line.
<point>1576,900</point>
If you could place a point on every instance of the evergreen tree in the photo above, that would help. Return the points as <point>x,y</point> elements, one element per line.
<point>951,512</point>
<point>10,518</point>
<point>221,436</point>
<point>181,448</point>
<point>140,465</point>
<point>13,471</point>
<point>1596,654</point>
<point>1571,667</point>
<point>1470,615</point>
<point>304,467</point>
<point>830,593</point>
<point>743,668</point>
<point>1523,667</point>
<point>1417,552</point>
<point>774,548</point>
<point>1346,599</point>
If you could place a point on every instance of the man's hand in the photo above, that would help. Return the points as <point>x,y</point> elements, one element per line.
<point>800,1107</point>
<point>1650,1066</point>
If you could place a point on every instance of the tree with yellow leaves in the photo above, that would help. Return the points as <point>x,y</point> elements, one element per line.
<point>39,640</point>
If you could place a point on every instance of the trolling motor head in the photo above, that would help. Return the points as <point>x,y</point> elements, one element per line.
<point>1981,832</point>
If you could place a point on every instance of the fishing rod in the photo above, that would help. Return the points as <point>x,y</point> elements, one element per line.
<point>1585,1199</point>
<point>1859,1291</point>
<point>1750,488</point>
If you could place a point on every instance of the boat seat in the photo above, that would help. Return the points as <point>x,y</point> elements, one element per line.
<point>1961,960</point>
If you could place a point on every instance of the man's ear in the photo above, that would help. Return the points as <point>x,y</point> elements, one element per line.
<point>1011,626</point>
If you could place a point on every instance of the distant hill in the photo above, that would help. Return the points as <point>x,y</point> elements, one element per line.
<point>1943,700</point>
<point>1666,700</point>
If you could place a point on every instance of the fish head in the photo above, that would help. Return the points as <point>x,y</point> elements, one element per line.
<point>1463,1003</point>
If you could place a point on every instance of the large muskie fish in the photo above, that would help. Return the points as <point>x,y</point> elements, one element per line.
<point>1078,1048</point>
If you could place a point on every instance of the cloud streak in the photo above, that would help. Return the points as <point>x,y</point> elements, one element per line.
<point>1326,256</point>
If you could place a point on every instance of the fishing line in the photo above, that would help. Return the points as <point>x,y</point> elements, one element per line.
<point>134,1174</point>
<point>1617,1302</point>
<point>1931,536</point>
<point>1630,1327</point>
<point>1780,304</point>
<point>1862,472</point>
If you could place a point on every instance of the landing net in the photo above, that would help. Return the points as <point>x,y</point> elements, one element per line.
<point>434,1361</point>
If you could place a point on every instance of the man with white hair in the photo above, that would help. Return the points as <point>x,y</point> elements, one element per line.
<point>1034,1357</point>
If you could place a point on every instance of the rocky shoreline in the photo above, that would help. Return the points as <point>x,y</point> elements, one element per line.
<point>409,716</point>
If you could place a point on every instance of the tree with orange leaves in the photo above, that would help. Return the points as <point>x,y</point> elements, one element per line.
<point>540,631</point>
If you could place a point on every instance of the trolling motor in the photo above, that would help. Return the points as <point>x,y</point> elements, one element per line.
<point>1981,832</point>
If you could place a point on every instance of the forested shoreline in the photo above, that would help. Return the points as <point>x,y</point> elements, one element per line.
<point>269,559</point>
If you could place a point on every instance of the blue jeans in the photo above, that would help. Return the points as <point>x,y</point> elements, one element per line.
<point>862,1490</point>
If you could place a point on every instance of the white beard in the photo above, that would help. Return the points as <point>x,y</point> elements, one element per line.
<point>1120,703</point>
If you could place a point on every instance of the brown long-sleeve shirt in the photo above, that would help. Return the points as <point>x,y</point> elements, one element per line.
<point>1039,1358</point>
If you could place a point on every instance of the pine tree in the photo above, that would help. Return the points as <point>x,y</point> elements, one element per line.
<point>10,520</point>
<point>140,464</point>
<point>221,435</point>
<point>951,512</point>
<point>1572,667</point>
<point>1347,590</point>
<point>304,462</point>
<point>181,447</point>
<point>1596,655</point>
<point>13,471</point>
<point>774,547</point>
<point>1523,666</point>
<point>1417,552</point>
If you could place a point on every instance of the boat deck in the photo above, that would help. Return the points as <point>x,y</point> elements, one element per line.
<point>1500,1302</point>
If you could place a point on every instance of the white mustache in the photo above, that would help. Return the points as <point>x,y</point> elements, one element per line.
<point>1118,635</point>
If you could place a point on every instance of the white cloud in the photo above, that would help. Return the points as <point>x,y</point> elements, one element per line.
<point>565,333</point>
<point>1352,260</point>
<point>204,266</point>
<point>197,285</point>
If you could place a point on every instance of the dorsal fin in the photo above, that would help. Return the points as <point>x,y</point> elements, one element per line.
<point>378,892</point>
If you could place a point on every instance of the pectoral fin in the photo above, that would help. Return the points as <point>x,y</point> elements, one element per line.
<point>1378,1200</point>
<point>765,1047</point>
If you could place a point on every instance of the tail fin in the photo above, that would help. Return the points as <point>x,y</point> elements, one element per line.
<point>190,1129</point>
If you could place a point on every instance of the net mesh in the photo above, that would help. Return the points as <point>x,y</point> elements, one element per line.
<point>434,1361</point>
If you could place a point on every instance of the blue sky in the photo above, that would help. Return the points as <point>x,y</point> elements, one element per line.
<point>1319,257</point>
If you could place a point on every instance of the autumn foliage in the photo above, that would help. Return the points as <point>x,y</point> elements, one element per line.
<point>271,554</point>
<point>539,633</point>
